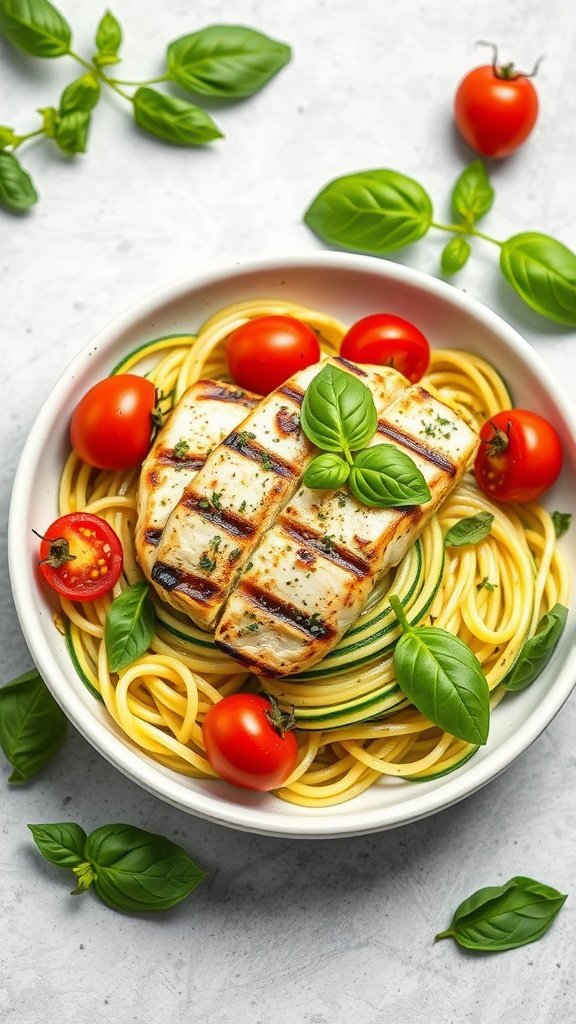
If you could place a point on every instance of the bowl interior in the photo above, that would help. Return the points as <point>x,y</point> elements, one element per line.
<point>347,287</point>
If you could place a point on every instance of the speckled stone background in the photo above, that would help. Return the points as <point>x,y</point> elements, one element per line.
<point>284,931</point>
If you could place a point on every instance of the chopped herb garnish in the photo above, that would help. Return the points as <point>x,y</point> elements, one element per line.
<point>327,542</point>
<point>246,435</point>
<point>242,507</point>
<point>486,585</point>
<point>266,460</point>
<point>234,555</point>
<point>206,563</point>
<point>215,542</point>
<point>341,499</point>
<point>181,448</point>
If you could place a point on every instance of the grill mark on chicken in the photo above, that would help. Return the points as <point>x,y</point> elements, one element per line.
<point>351,366</point>
<point>256,453</point>
<point>168,457</point>
<point>222,393</point>
<point>225,519</point>
<point>287,422</point>
<point>312,625</point>
<point>326,547</point>
<point>170,578</point>
<point>152,535</point>
<point>253,663</point>
<point>294,393</point>
<point>437,458</point>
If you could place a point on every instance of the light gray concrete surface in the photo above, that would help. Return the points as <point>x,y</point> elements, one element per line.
<point>288,931</point>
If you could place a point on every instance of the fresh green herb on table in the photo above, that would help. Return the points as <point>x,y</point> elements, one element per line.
<point>379,211</point>
<point>130,869</point>
<point>504,917</point>
<point>32,726</point>
<point>339,417</point>
<point>228,62</point>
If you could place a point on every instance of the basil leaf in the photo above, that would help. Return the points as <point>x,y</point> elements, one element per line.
<point>129,626</point>
<point>225,60</point>
<point>326,473</point>
<point>561,521</point>
<point>61,843</point>
<point>50,119</point>
<point>455,255</point>
<point>83,94</point>
<point>536,652</point>
<point>371,211</point>
<point>543,272</point>
<point>172,119</point>
<point>32,726</point>
<point>7,136</point>
<point>71,132</point>
<point>138,870</point>
<point>36,27</point>
<point>506,916</point>
<point>384,477</point>
<point>338,411</point>
<point>108,40</point>
<point>443,679</point>
<point>471,530</point>
<point>472,195</point>
<point>17,192</point>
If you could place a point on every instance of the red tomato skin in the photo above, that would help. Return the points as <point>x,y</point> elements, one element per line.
<point>384,339</point>
<point>495,115</point>
<point>243,747</point>
<point>267,350</point>
<point>111,427</point>
<point>528,467</point>
<point>73,579</point>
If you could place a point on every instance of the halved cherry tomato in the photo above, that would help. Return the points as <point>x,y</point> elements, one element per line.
<point>80,556</point>
<point>520,456</point>
<point>248,742</point>
<point>112,424</point>
<point>495,109</point>
<point>266,351</point>
<point>387,340</point>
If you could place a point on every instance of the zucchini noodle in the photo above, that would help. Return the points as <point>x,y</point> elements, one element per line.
<point>354,725</point>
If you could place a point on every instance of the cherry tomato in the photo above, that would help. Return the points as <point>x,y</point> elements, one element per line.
<point>247,743</point>
<point>495,109</point>
<point>111,426</point>
<point>80,556</point>
<point>387,340</point>
<point>520,456</point>
<point>266,351</point>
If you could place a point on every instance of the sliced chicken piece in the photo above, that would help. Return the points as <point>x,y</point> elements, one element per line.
<point>206,413</point>
<point>236,496</point>
<point>314,570</point>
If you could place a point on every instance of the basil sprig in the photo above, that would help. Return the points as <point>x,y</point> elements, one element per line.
<point>503,917</point>
<point>536,652</point>
<point>32,726</point>
<point>339,416</point>
<point>442,678</point>
<point>225,61</point>
<point>470,530</point>
<point>128,868</point>
<point>377,211</point>
<point>129,626</point>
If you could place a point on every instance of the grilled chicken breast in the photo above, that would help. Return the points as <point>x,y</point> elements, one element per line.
<point>207,412</point>
<point>314,570</point>
<point>235,497</point>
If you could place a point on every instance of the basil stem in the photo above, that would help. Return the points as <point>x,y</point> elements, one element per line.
<point>504,917</point>
<point>442,678</point>
<point>32,726</point>
<point>129,627</point>
<point>130,869</point>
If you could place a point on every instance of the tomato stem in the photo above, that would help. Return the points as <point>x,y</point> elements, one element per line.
<point>508,71</point>
<point>58,552</point>
<point>281,721</point>
<point>498,443</point>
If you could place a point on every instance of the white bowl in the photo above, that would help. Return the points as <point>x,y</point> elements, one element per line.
<point>348,287</point>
